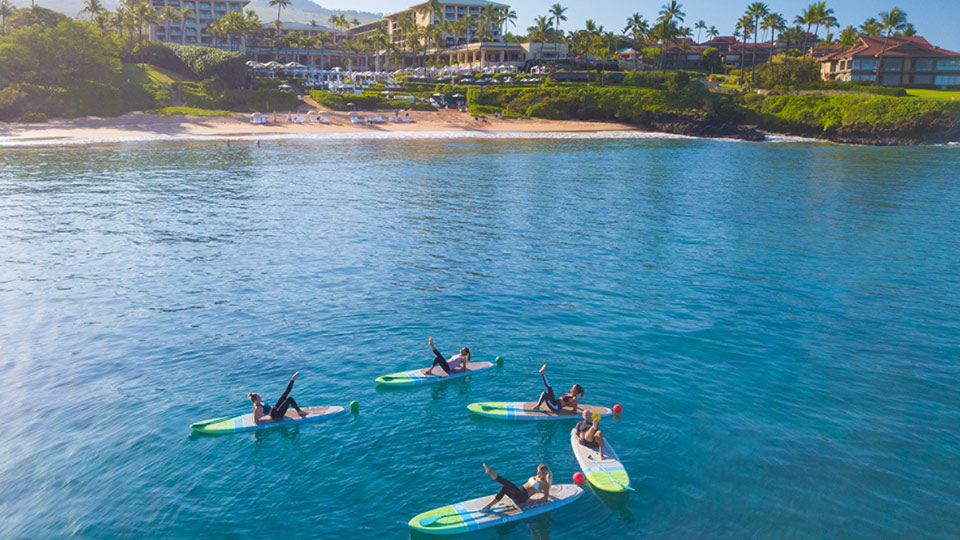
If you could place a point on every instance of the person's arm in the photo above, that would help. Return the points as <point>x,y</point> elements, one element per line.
<point>257,413</point>
<point>462,365</point>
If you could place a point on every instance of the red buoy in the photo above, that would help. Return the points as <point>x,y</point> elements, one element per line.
<point>578,478</point>
<point>617,409</point>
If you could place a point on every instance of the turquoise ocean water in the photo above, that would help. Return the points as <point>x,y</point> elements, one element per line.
<point>780,321</point>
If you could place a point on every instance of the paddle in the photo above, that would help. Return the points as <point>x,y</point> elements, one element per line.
<point>492,408</point>
<point>208,422</point>
<point>610,475</point>
<point>428,521</point>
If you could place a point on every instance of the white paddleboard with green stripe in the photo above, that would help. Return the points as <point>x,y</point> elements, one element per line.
<point>417,377</point>
<point>606,474</point>
<point>237,424</point>
<point>466,516</point>
<point>518,410</point>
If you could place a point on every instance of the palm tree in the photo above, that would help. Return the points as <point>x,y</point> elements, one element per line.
<point>745,28</point>
<point>281,4</point>
<point>557,12</point>
<point>539,32</point>
<point>700,26</point>
<point>890,20</point>
<point>774,22</point>
<point>185,13</point>
<point>433,8</point>
<point>671,11</point>
<point>92,7</point>
<point>822,16</point>
<point>756,11</point>
<point>871,27</point>
<point>509,16</point>
<point>6,10</point>
<point>712,32</point>
<point>808,17</point>
<point>637,27</point>
<point>909,31</point>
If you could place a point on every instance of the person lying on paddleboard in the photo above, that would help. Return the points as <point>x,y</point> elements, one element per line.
<point>535,484</point>
<point>262,412</point>
<point>589,434</point>
<point>453,365</point>
<point>568,401</point>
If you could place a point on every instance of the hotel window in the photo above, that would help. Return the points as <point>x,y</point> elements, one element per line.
<point>890,80</point>
<point>923,79</point>
<point>870,63</point>
<point>923,64</point>
<point>948,64</point>
<point>947,80</point>
<point>893,64</point>
<point>861,77</point>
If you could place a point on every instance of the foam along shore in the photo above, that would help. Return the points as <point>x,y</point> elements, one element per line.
<point>145,126</point>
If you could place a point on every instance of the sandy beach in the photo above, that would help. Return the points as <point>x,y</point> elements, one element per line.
<point>140,125</point>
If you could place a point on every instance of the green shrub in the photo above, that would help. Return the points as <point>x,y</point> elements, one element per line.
<point>158,54</point>
<point>205,62</point>
<point>788,73</point>
<point>33,117</point>
<point>367,101</point>
<point>483,110</point>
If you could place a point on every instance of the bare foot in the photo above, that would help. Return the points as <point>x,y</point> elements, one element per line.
<point>543,368</point>
<point>302,413</point>
<point>430,341</point>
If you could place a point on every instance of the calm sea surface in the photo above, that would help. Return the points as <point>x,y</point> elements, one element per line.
<point>780,321</point>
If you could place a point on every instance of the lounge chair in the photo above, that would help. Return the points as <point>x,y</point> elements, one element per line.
<point>355,120</point>
<point>392,119</point>
<point>378,119</point>
<point>324,119</point>
<point>408,119</point>
<point>368,119</point>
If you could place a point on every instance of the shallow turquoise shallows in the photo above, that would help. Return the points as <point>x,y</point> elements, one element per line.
<point>780,321</point>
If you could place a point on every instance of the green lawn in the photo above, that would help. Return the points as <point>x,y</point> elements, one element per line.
<point>190,111</point>
<point>945,95</point>
<point>141,74</point>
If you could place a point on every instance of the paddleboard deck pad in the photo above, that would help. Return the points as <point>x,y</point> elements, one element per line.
<point>463,516</point>
<point>237,424</point>
<point>518,410</point>
<point>593,467</point>
<point>416,377</point>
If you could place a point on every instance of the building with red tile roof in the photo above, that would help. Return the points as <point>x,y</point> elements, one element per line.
<point>907,61</point>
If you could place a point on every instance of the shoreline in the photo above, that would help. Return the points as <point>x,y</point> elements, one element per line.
<point>142,126</point>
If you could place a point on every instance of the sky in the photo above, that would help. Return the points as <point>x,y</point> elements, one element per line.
<point>936,20</point>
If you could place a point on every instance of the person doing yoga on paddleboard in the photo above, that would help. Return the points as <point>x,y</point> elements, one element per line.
<point>454,365</point>
<point>535,484</point>
<point>589,434</point>
<point>570,400</point>
<point>262,412</point>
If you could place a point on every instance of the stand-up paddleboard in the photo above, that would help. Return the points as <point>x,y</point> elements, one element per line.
<point>466,516</point>
<point>606,474</point>
<point>416,376</point>
<point>518,410</point>
<point>236,424</point>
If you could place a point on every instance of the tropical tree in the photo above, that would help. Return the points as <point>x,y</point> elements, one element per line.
<point>509,16</point>
<point>281,5</point>
<point>93,7</point>
<point>822,16</point>
<point>671,11</point>
<point>557,12</point>
<point>185,14</point>
<point>314,23</point>
<point>893,20</point>
<point>774,22</point>
<point>6,10</point>
<point>756,11</point>
<point>871,27</point>
<point>637,27</point>
<point>807,17</point>
<point>849,37</point>
<point>700,26</point>
<point>712,32</point>
<point>744,28</point>
<point>540,32</point>
<point>909,31</point>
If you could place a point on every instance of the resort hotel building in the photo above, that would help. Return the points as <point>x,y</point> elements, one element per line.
<point>907,61</point>
<point>193,29</point>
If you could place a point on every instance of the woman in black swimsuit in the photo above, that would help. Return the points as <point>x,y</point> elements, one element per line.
<point>263,410</point>
<point>570,400</point>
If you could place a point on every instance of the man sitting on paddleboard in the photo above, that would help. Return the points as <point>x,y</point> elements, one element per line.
<point>262,410</point>
<point>589,434</point>
<point>540,483</point>
<point>566,401</point>
<point>453,365</point>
